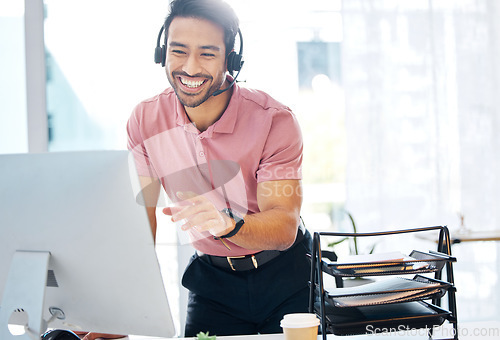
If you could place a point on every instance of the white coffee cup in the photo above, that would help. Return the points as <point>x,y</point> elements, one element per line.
<point>300,326</point>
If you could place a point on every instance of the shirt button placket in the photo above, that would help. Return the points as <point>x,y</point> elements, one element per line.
<point>199,147</point>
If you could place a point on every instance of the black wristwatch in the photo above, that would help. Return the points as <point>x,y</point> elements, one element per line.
<point>237,218</point>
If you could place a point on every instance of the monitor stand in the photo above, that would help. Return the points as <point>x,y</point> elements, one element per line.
<point>25,292</point>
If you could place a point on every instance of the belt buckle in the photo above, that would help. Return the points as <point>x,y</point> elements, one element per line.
<point>229,258</point>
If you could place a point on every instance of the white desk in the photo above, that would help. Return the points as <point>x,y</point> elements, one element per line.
<point>457,236</point>
<point>474,236</point>
<point>487,330</point>
<point>282,337</point>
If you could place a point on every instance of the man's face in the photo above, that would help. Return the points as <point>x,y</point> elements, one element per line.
<point>195,61</point>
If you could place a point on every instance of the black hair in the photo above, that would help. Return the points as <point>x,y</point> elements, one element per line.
<point>216,11</point>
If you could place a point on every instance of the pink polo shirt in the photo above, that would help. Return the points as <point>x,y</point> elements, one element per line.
<point>257,139</point>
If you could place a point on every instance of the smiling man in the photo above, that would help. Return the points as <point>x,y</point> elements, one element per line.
<point>230,158</point>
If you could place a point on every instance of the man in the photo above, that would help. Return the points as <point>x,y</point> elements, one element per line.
<point>230,159</point>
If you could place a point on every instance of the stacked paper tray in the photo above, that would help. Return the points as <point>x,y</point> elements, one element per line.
<point>387,291</point>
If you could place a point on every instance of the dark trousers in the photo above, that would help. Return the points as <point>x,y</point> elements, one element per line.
<point>225,302</point>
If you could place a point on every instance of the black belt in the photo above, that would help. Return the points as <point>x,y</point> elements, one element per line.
<point>248,262</point>
<point>243,263</point>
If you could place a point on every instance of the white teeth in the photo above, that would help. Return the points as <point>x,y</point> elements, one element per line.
<point>190,83</point>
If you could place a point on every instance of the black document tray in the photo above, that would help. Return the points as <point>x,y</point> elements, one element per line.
<point>382,318</point>
<point>389,311</point>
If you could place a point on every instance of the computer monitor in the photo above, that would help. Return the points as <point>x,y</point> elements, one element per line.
<point>76,249</point>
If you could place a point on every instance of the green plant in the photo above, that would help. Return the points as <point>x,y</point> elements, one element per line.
<point>353,245</point>
<point>205,336</point>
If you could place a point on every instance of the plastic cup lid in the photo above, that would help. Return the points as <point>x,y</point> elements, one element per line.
<point>299,320</point>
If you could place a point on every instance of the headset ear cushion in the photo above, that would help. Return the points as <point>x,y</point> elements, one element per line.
<point>229,61</point>
<point>234,62</point>
<point>158,54</point>
<point>237,62</point>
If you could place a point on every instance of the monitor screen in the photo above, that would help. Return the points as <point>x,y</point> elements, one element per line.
<point>76,249</point>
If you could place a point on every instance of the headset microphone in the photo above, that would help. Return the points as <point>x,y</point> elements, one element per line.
<point>234,60</point>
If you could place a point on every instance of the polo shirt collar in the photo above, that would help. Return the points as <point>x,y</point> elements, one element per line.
<point>181,116</point>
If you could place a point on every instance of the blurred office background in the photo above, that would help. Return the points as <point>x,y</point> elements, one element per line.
<point>398,102</point>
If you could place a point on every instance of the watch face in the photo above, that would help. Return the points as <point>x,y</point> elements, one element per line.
<point>234,215</point>
<point>239,222</point>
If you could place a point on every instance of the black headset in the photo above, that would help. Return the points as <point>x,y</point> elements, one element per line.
<point>234,60</point>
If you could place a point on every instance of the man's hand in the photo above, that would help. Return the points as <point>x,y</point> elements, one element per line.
<point>201,214</point>
<point>274,227</point>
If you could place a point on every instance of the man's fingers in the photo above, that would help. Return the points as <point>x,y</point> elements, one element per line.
<point>199,213</point>
<point>190,207</point>
<point>168,211</point>
<point>172,210</point>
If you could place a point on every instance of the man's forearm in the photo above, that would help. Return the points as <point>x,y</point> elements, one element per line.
<point>273,229</point>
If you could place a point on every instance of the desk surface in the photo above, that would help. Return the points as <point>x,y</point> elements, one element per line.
<point>484,330</point>
<point>473,236</point>
<point>282,337</point>
<point>458,236</point>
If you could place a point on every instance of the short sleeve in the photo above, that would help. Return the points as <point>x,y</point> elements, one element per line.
<point>282,156</point>
<point>136,145</point>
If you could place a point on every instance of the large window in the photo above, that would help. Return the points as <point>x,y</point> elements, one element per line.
<point>13,120</point>
<point>99,66</point>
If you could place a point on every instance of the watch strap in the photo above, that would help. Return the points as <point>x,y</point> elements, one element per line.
<point>239,223</point>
